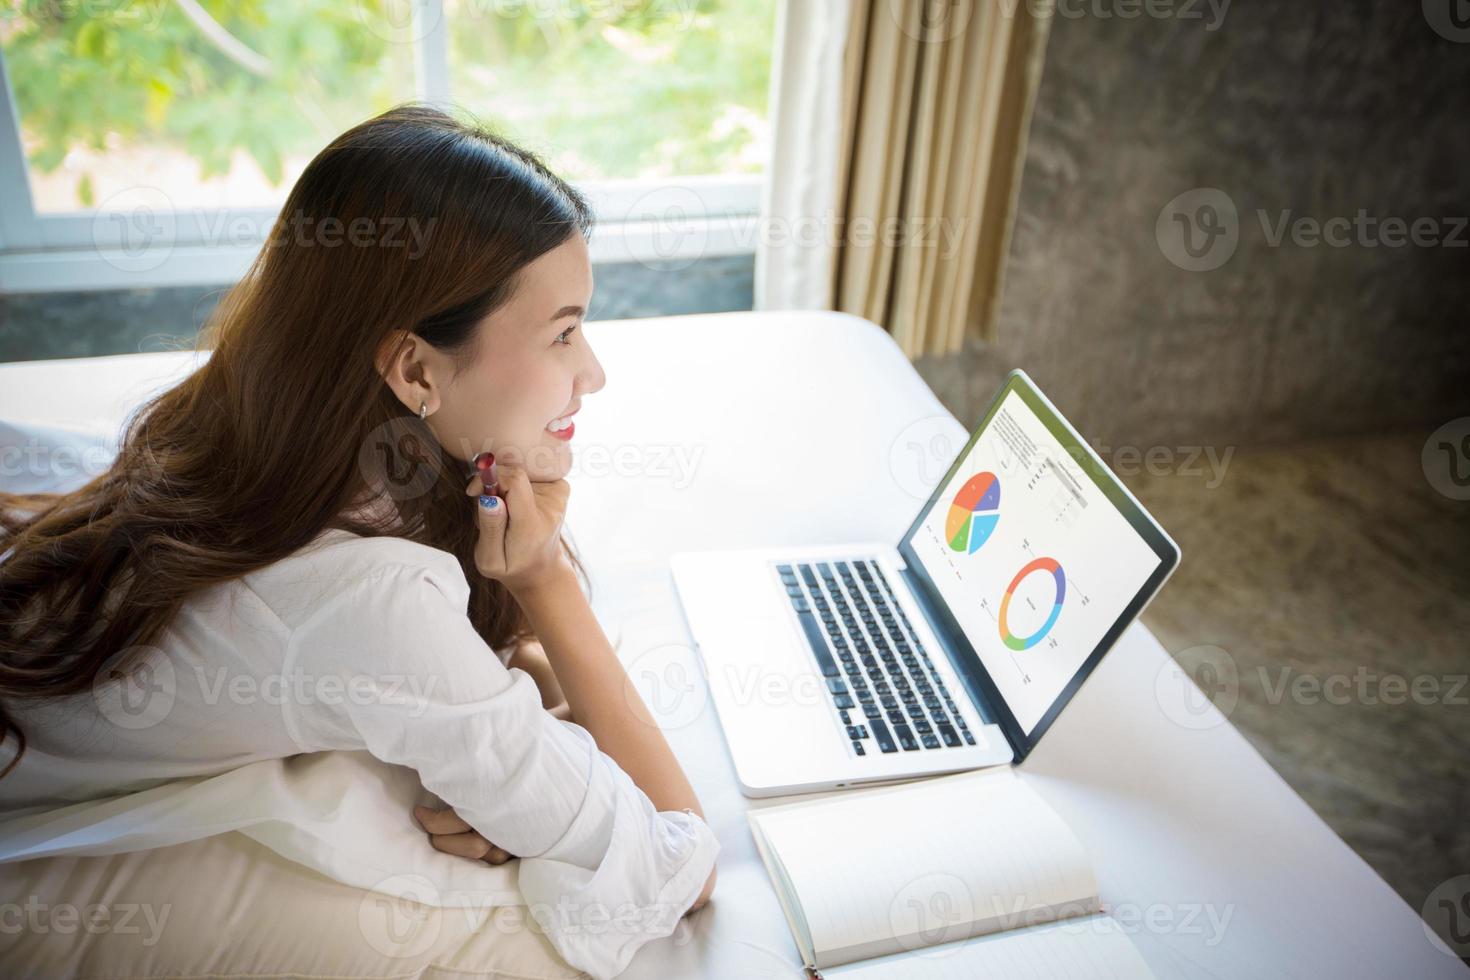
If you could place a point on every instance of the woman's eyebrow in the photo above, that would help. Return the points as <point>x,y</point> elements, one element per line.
<point>566,311</point>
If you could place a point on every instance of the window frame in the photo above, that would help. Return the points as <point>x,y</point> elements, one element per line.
<point>74,252</point>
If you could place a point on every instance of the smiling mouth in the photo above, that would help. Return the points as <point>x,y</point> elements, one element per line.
<point>561,428</point>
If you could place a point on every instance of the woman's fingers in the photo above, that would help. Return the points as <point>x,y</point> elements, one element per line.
<point>444,821</point>
<point>470,845</point>
<point>449,833</point>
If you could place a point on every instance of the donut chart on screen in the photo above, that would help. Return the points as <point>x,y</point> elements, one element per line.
<point>1033,567</point>
<point>973,513</point>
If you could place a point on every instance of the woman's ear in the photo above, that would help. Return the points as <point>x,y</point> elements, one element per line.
<point>401,363</point>
<point>387,351</point>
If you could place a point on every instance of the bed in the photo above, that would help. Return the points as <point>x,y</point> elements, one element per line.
<point>733,430</point>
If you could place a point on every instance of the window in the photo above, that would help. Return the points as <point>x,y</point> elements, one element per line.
<point>145,142</point>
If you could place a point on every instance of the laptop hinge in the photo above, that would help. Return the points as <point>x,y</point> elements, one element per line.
<point>966,674</point>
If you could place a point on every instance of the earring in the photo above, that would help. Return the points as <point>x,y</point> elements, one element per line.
<point>423,410</point>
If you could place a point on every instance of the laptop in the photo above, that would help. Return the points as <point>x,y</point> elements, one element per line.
<point>957,647</point>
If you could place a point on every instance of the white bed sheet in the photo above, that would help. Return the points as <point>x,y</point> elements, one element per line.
<point>741,429</point>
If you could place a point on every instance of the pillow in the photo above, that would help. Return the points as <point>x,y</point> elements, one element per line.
<point>52,458</point>
<point>228,906</point>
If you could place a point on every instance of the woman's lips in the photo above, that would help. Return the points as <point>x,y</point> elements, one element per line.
<point>564,434</point>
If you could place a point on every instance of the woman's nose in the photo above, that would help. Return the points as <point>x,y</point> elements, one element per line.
<point>593,377</point>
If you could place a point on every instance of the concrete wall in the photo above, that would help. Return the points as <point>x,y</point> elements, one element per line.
<point>1320,108</point>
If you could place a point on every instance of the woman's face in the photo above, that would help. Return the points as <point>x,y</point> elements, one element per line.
<point>533,366</point>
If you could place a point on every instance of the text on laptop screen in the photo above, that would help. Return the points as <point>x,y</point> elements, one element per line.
<point>1034,562</point>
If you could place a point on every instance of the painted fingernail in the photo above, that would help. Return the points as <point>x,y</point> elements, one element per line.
<point>488,502</point>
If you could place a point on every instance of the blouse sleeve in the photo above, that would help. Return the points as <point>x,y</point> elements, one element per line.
<point>600,869</point>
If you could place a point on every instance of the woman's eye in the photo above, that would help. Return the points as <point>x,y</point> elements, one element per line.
<point>565,333</point>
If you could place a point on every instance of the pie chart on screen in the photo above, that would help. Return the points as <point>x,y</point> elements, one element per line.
<point>973,513</point>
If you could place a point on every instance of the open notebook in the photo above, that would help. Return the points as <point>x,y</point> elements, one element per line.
<point>965,875</point>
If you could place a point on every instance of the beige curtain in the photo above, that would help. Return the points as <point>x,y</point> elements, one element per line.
<point>919,160</point>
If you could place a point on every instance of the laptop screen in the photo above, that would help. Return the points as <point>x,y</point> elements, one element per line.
<point>1037,552</point>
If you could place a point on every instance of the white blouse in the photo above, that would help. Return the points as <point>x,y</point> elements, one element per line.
<point>364,643</point>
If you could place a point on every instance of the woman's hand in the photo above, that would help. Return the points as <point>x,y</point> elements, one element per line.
<point>450,834</point>
<point>520,535</point>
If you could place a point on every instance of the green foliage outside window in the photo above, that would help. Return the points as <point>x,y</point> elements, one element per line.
<point>600,88</point>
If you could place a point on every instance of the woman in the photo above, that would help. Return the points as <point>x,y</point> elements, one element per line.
<point>305,508</point>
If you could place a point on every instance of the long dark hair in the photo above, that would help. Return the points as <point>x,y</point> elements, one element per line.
<point>412,221</point>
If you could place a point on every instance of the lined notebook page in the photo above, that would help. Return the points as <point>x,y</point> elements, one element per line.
<point>919,864</point>
<point>1092,948</point>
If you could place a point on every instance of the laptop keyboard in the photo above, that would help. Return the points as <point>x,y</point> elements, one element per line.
<point>879,676</point>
